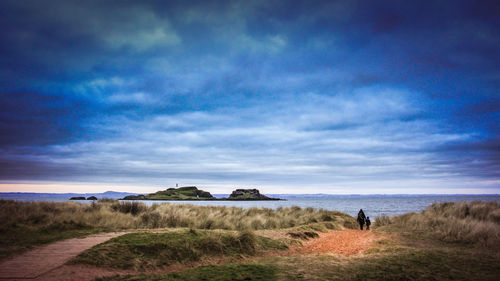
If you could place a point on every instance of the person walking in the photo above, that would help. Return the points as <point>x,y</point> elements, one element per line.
<point>361,218</point>
<point>368,223</point>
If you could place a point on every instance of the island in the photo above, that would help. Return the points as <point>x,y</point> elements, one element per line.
<point>181,193</point>
<point>248,194</point>
<point>193,193</point>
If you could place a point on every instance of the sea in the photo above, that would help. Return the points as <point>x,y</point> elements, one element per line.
<point>372,205</point>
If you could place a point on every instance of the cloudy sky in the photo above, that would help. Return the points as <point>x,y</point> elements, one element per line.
<point>285,96</point>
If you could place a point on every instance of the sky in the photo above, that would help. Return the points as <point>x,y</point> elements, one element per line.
<point>337,97</point>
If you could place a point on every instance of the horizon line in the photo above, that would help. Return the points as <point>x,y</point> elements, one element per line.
<point>335,194</point>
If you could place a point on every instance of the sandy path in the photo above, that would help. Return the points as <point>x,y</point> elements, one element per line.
<point>44,259</point>
<point>345,242</point>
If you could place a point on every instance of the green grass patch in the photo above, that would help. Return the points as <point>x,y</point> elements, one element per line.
<point>413,264</point>
<point>155,250</point>
<point>227,272</point>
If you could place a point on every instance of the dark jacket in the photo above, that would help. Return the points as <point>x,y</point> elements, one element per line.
<point>361,217</point>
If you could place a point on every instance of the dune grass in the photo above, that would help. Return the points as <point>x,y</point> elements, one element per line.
<point>116,215</point>
<point>27,224</point>
<point>142,251</point>
<point>24,225</point>
<point>477,223</point>
<point>450,241</point>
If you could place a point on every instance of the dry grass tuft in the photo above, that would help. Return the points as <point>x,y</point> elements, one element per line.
<point>304,235</point>
<point>114,215</point>
<point>475,223</point>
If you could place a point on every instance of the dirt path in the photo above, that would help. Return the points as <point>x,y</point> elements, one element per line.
<point>346,242</point>
<point>44,259</point>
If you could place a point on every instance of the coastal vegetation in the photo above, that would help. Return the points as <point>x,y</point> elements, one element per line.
<point>389,263</point>
<point>225,272</point>
<point>144,250</point>
<point>476,223</point>
<point>446,241</point>
<point>26,224</point>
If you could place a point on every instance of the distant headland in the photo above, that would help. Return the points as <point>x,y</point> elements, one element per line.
<point>193,193</point>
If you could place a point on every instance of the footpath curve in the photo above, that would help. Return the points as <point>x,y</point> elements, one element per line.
<point>44,259</point>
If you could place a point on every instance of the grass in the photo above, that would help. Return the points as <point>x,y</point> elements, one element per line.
<point>447,241</point>
<point>417,248</point>
<point>142,251</point>
<point>19,238</point>
<point>477,223</point>
<point>304,235</point>
<point>399,263</point>
<point>27,224</point>
<point>116,215</point>
<point>227,272</point>
<point>393,263</point>
<point>24,225</point>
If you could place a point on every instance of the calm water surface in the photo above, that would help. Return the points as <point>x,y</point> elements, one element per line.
<point>373,205</point>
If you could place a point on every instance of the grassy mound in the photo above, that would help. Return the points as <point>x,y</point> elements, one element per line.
<point>154,250</point>
<point>475,223</point>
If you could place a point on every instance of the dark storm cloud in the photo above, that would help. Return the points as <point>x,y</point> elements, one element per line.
<point>39,119</point>
<point>266,90</point>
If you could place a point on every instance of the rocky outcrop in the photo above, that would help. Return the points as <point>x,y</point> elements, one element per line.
<point>77,198</point>
<point>248,194</point>
<point>92,198</point>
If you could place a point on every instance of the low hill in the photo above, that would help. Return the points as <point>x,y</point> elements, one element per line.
<point>181,193</point>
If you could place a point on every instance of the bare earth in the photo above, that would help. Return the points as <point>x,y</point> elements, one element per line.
<point>346,242</point>
<point>48,262</point>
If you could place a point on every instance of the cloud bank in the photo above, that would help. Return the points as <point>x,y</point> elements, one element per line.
<point>289,96</point>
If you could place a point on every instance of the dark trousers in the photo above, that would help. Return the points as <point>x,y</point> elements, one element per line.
<point>367,227</point>
<point>361,226</point>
